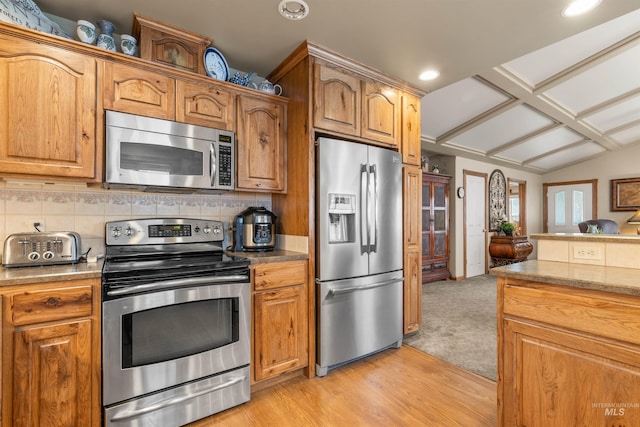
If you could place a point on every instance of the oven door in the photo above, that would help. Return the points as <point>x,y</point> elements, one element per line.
<point>162,339</point>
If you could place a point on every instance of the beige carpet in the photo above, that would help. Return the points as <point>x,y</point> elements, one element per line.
<point>459,323</point>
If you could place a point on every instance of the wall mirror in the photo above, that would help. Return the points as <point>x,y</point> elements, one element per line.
<point>497,200</point>
<point>517,205</point>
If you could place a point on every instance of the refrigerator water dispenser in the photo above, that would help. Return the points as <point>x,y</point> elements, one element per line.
<point>342,212</point>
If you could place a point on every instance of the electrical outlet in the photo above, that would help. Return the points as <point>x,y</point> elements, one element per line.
<point>36,224</point>
<point>587,253</point>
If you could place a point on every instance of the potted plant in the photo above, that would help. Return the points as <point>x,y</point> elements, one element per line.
<point>508,228</point>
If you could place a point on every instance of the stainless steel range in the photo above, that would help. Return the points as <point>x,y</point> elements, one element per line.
<point>176,317</point>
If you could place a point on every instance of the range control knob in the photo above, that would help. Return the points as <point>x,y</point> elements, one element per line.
<point>116,231</point>
<point>197,229</point>
<point>206,229</point>
<point>217,230</point>
<point>33,256</point>
<point>129,231</point>
<point>48,255</point>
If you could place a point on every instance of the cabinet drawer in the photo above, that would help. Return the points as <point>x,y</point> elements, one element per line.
<point>50,305</point>
<point>599,313</point>
<point>279,274</point>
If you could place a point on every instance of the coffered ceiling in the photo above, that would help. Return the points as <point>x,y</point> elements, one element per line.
<point>557,106</point>
<point>501,95</point>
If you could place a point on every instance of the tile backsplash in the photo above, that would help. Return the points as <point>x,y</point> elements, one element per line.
<point>76,207</point>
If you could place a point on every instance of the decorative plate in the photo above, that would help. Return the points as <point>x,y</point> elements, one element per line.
<point>215,64</point>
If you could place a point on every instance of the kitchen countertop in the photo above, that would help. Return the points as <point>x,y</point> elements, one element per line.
<point>49,273</point>
<point>56,273</point>
<point>595,277</point>
<point>277,255</point>
<point>587,237</point>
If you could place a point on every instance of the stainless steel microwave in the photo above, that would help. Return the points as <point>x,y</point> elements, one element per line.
<point>148,153</point>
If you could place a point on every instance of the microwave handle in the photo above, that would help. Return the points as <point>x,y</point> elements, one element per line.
<point>212,164</point>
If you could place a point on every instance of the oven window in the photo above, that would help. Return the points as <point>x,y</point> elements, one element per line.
<point>160,159</point>
<point>179,330</point>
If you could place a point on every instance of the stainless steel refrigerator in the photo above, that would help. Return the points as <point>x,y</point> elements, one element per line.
<point>358,251</point>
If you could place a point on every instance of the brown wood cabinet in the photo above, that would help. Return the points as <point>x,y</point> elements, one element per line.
<point>567,356</point>
<point>412,191</point>
<point>410,138</point>
<point>51,354</point>
<point>63,136</point>
<point>381,112</point>
<point>280,338</point>
<point>347,103</point>
<point>435,227</point>
<point>261,145</point>
<point>47,110</point>
<point>135,90</point>
<point>205,105</point>
<point>333,83</point>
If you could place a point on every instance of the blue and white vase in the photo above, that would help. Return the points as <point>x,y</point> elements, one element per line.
<point>105,39</point>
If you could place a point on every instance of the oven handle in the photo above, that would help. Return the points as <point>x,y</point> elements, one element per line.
<point>124,415</point>
<point>175,283</point>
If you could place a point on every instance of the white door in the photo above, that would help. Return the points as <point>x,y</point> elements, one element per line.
<point>567,206</point>
<point>475,227</point>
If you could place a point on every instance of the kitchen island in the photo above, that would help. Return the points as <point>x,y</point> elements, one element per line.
<point>569,340</point>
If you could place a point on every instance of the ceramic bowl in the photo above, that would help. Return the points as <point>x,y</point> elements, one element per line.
<point>128,44</point>
<point>86,31</point>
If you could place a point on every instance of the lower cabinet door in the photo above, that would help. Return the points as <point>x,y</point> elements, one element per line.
<point>51,375</point>
<point>412,292</point>
<point>554,377</point>
<point>280,331</point>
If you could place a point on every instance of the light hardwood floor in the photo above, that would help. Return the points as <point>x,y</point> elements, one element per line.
<point>397,387</point>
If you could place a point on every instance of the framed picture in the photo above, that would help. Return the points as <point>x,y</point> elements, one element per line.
<point>625,194</point>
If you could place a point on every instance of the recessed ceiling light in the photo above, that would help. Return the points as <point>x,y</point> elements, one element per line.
<point>578,7</point>
<point>293,9</point>
<point>429,75</point>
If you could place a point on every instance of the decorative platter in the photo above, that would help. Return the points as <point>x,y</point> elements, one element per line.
<point>215,64</point>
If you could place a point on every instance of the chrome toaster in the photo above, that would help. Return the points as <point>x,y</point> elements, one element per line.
<point>32,249</point>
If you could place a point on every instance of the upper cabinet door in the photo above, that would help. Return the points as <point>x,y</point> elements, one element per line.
<point>337,100</point>
<point>381,113</point>
<point>261,145</point>
<point>205,105</point>
<point>47,110</point>
<point>410,130</point>
<point>137,91</point>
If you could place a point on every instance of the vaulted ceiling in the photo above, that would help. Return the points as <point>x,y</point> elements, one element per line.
<point>519,83</point>
<point>554,107</point>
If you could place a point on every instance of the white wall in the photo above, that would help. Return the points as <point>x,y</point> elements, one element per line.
<point>619,164</point>
<point>455,167</point>
<point>533,205</point>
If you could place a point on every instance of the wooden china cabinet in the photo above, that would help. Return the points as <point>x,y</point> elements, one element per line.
<point>435,227</point>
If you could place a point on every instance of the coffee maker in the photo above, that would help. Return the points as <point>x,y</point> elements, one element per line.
<point>254,230</point>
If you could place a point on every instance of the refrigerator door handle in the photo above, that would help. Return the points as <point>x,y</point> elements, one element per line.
<point>364,207</point>
<point>338,291</point>
<point>373,209</point>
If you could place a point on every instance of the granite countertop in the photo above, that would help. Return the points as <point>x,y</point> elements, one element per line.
<point>587,237</point>
<point>595,277</point>
<point>57,273</point>
<point>49,273</point>
<point>276,255</point>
